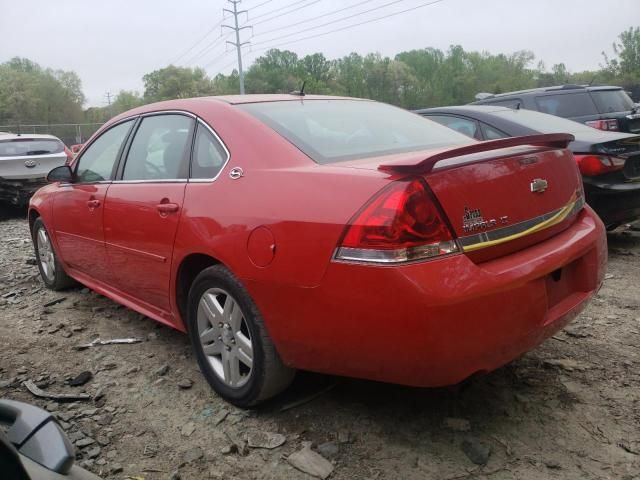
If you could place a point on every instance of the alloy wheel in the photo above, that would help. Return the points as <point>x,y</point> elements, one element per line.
<point>46,256</point>
<point>225,337</point>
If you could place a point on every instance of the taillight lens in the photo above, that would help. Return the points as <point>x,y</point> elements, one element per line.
<point>592,165</point>
<point>402,223</point>
<point>611,124</point>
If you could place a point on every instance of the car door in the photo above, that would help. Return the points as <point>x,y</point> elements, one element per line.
<point>78,206</point>
<point>143,207</point>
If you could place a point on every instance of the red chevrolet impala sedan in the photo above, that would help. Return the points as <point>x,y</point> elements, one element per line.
<point>329,234</point>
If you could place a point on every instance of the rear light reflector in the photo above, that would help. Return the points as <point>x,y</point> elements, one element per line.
<point>592,165</point>
<point>611,124</point>
<point>403,223</point>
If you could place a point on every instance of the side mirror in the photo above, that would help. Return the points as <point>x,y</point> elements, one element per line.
<point>60,174</point>
<point>77,147</point>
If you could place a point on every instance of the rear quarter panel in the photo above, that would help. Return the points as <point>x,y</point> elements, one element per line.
<point>304,205</point>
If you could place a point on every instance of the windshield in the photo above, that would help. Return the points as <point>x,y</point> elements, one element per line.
<point>20,147</point>
<point>609,101</point>
<point>337,130</point>
<point>544,123</point>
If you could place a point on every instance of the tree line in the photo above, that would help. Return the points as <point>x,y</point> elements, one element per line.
<point>411,79</point>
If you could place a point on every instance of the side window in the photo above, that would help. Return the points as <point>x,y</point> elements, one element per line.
<point>567,105</point>
<point>97,162</point>
<point>208,155</point>
<point>158,149</point>
<point>491,133</point>
<point>463,125</point>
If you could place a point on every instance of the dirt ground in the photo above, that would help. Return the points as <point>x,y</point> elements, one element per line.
<point>568,410</point>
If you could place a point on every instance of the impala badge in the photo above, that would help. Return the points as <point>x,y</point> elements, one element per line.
<point>472,220</point>
<point>30,163</point>
<point>538,185</point>
<point>236,173</point>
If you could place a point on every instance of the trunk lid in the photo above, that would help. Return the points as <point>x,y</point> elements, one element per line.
<point>30,167</point>
<point>503,196</point>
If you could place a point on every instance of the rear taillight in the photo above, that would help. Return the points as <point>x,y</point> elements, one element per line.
<point>403,223</point>
<point>611,124</point>
<point>592,165</point>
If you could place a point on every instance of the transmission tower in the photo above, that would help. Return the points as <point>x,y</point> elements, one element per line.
<point>235,12</point>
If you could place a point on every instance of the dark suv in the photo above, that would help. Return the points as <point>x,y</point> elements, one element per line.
<point>605,108</point>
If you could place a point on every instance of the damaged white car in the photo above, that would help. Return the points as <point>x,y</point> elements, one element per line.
<point>25,161</point>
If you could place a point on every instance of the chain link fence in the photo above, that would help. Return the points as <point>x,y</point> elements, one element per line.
<point>69,133</point>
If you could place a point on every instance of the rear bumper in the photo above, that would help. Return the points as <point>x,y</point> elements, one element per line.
<point>18,192</point>
<point>614,205</point>
<point>436,323</point>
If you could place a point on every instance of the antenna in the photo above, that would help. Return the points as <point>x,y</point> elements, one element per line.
<point>300,92</point>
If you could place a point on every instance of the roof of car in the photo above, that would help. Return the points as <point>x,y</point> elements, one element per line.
<point>26,136</point>
<point>556,88</point>
<point>260,98</point>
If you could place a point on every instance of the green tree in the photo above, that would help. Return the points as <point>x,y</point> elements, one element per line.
<point>176,82</point>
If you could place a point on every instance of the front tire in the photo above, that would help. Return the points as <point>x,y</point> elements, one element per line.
<point>51,270</point>
<point>232,346</point>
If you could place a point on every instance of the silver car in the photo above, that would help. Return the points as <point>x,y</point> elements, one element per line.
<point>25,161</point>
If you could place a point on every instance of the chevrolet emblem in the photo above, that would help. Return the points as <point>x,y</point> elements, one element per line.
<point>538,185</point>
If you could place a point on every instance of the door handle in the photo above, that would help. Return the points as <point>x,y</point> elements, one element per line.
<point>93,203</point>
<point>166,208</point>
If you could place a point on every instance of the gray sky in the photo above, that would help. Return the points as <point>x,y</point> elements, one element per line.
<point>112,44</point>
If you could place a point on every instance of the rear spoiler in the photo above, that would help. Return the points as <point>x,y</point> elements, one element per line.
<point>553,140</point>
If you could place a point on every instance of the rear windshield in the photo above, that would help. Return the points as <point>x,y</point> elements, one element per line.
<point>20,147</point>
<point>542,122</point>
<point>331,131</point>
<point>567,105</point>
<point>609,101</point>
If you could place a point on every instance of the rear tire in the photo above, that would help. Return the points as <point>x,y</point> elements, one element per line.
<point>232,346</point>
<point>51,270</point>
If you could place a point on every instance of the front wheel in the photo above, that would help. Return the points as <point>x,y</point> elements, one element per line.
<point>231,343</point>
<point>51,270</point>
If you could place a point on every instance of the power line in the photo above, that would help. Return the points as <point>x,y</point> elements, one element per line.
<point>314,18</point>
<point>346,27</point>
<point>279,9</point>
<point>260,4</point>
<point>330,22</point>
<point>218,57</point>
<point>207,48</point>
<point>183,54</point>
<point>264,20</point>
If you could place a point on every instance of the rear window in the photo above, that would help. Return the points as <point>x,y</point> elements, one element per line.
<point>338,130</point>
<point>609,101</point>
<point>23,147</point>
<point>567,105</point>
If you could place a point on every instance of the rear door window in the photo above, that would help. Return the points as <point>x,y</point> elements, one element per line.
<point>466,126</point>
<point>159,149</point>
<point>567,105</point>
<point>491,133</point>
<point>609,101</point>
<point>209,156</point>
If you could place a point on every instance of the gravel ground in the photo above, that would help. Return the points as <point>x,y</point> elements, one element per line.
<point>568,410</point>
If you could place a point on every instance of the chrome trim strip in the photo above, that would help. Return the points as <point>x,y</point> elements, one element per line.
<point>515,229</point>
<point>164,180</point>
